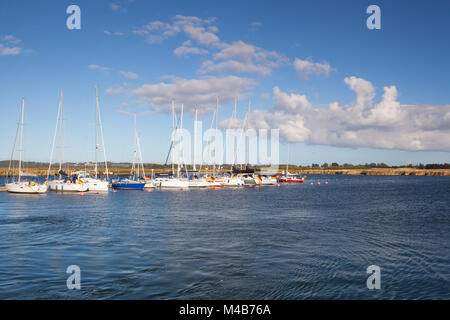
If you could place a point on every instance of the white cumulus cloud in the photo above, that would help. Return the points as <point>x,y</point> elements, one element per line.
<point>386,124</point>
<point>193,93</point>
<point>186,49</point>
<point>308,68</point>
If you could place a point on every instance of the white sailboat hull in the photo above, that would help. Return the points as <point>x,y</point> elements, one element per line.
<point>26,187</point>
<point>150,184</point>
<point>172,183</point>
<point>268,181</point>
<point>233,182</point>
<point>96,184</point>
<point>198,183</point>
<point>67,186</point>
<point>250,181</point>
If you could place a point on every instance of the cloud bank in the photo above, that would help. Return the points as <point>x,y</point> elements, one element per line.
<point>386,124</point>
<point>193,93</point>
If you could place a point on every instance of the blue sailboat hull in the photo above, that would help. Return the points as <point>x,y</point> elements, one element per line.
<point>128,186</point>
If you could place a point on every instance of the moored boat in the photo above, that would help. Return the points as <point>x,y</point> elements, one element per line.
<point>64,182</point>
<point>92,179</point>
<point>29,187</point>
<point>291,178</point>
<point>128,184</point>
<point>67,184</point>
<point>20,185</point>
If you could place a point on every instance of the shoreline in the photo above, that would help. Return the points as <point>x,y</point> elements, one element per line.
<point>381,172</point>
<point>325,171</point>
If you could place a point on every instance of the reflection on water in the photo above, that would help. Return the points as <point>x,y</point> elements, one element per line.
<point>292,242</point>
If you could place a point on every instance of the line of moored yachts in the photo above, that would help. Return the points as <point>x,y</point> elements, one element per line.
<point>83,181</point>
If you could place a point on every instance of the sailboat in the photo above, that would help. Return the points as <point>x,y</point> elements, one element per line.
<point>196,181</point>
<point>172,182</point>
<point>65,182</point>
<point>92,181</point>
<point>287,177</point>
<point>133,182</point>
<point>233,179</point>
<point>247,175</point>
<point>21,185</point>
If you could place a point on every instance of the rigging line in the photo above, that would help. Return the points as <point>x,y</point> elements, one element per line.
<point>240,139</point>
<point>171,144</point>
<point>140,154</point>
<point>208,144</point>
<point>54,140</point>
<point>103,140</point>
<point>14,146</point>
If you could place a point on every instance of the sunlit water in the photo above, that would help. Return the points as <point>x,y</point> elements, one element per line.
<point>288,242</point>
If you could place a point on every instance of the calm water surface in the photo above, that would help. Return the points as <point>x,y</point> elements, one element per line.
<point>288,242</point>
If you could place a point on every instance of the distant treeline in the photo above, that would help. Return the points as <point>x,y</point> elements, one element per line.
<point>333,165</point>
<point>372,165</point>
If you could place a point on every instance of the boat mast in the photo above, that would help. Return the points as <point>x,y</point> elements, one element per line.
<point>60,132</point>
<point>215,136</point>
<point>181,142</point>
<point>195,139</point>
<point>133,167</point>
<point>21,140</point>
<point>141,163</point>
<point>173,136</point>
<point>96,132</point>
<point>101,132</point>
<point>54,137</point>
<point>246,135</point>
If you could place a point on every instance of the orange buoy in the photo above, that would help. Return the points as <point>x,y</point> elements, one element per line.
<point>114,191</point>
<point>318,182</point>
<point>312,183</point>
<point>81,194</point>
<point>149,190</point>
<point>326,182</point>
<point>278,184</point>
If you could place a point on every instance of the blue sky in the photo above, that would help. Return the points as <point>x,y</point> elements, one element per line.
<point>128,48</point>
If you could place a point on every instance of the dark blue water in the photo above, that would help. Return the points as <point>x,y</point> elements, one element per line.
<point>291,242</point>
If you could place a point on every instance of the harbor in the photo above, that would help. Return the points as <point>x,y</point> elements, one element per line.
<point>296,241</point>
<point>220,155</point>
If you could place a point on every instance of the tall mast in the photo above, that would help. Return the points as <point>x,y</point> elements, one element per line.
<point>181,137</point>
<point>96,132</point>
<point>195,139</point>
<point>140,155</point>
<point>215,136</point>
<point>246,135</point>
<point>173,135</point>
<point>235,108</point>
<point>133,168</point>
<point>101,133</point>
<point>21,140</point>
<point>60,130</point>
<point>54,138</point>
